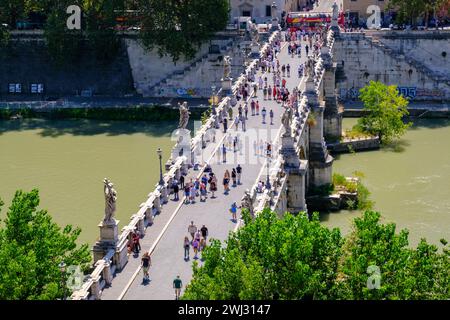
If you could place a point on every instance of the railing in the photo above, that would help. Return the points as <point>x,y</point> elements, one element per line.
<point>105,268</point>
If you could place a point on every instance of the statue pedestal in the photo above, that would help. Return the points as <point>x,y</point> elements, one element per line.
<point>109,232</point>
<point>109,238</point>
<point>255,47</point>
<point>227,84</point>
<point>183,144</point>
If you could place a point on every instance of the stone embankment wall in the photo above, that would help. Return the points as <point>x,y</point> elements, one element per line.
<point>347,146</point>
<point>27,62</point>
<point>364,57</point>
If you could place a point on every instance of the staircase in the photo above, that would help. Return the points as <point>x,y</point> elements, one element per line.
<point>419,66</point>
<point>157,90</point>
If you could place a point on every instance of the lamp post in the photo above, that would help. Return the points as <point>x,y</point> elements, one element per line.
<point>62,268</point>
<point>161,180</point>
<point>268,186</point>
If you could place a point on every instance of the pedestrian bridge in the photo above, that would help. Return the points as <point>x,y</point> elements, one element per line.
<point>299,161</point>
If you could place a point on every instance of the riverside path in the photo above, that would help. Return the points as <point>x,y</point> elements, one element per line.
<point>164,239</point>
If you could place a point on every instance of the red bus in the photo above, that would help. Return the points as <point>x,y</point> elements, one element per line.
<point>310,21</point>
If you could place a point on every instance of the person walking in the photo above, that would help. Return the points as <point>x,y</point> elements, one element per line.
<point>233,177</point>
<point>288,70</point>
<point>257,107</point>
<point>269,92</point>
<point>182,182</point>
<point>265,93</point>
<point>226,181</point>
<point>177,285</point>
<point>186,246</point>
<point>146,262</point>
<point>271,116</point>
<point>224,153</point>
<point>203,192</point>
<point>263,113</point>
<point>252,107</point>
<point>176,191</point>
<point>195,245</point>
<point>225,125</point>
<point>204,231</point>
<point>239,173</point>
<point>192,193</point>
<point>187,194</point>
<point>244,124</point>
<point>192,229</point>
<point>212,185</point>
<point>246,111</point>
<point>236,122</point>
<point>233,210</point>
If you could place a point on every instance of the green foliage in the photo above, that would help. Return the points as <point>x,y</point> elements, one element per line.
<point>406,273</point>
<point>295,258</point>
<point>408,11</point>
<point>386,109</point>
<point>31,247</point>
<point>270,258</point>
<point>178,28</point>
<point>339,179</point>
<point>205,115</point>
<point>363,202</point>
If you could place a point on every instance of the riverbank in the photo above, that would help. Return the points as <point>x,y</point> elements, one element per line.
<point>128,113</point>
<point>354,109</point>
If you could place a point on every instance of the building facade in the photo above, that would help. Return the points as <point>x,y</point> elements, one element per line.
<point>260,10</point>
<point>356,10</point>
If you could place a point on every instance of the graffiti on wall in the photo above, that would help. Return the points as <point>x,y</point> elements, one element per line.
<point>408,92</point>
<point>188,92</point>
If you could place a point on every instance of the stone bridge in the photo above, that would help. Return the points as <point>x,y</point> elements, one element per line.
<point>300,161</point>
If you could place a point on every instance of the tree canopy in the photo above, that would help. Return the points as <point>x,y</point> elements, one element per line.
<point>31,248</point>
<point>298,258</point>
<point>408,11</point>
<point>176,28</point>
<point>385,108</point>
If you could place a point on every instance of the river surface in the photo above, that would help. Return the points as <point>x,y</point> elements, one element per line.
<point>410,183</point>
<point>67,161</point>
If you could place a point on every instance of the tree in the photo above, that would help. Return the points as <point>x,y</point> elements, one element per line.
<point>408,10</point>
<point>270,258</point>
<point>178,28</point>
<point>404,273</point>
<point>31,247</point>
<point>386,109</point>
<point>297,258</point>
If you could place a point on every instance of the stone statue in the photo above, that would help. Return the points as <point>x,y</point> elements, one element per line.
<point>286,121</point>
<point>310,67</point>
<point>226,67</point>
<point>254,33</point>
<point>110,201</point>
<point>247,202</point>
<point>184,115</point>
<point>335,11</point>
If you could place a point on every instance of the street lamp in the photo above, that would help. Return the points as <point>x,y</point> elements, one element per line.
<point>161,181</point>
<point>62,268</point>
<point>268,186</point>
<point>213,98</point>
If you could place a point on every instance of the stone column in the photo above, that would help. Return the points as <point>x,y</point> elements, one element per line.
<point>107,274</point>
<point>164,194</point>
<point>95,288</point>
<point>141,224</point>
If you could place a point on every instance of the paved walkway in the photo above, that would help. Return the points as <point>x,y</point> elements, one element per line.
<point>165,238</point>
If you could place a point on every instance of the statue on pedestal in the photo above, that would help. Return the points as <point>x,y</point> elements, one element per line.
<point>184,115</point>
<point>226,67</point>
<point>110,201</point>
<point>286,121</point>
<point>247,202</point>
<point>254,34</point>
<point>310,67</point>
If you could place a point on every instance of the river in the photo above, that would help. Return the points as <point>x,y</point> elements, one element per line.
<point>410,184</point>
<point>67,161</point>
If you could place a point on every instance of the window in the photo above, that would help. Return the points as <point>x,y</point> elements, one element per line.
<point>37,88</point>
<point>246,13</point>
<point>15,88</point>
<point>268,11</point>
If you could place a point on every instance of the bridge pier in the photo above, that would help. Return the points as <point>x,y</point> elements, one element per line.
<point>320,161</point>
<point>332,114</point>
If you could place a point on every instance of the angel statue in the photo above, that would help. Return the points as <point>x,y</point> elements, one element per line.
<point>286,121</point>
<point>226,67</point>
<point>254,33</point>
<point>184,115</point>
<point>310,67</point>
<point>110,200</point>
<point>335,11</point>
<point>247,202</point>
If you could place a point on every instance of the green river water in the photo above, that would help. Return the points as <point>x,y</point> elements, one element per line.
<point>67,161</point>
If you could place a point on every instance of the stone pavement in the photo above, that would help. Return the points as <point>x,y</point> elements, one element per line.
<point>165,238</point>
